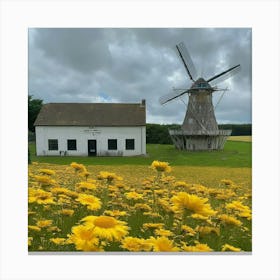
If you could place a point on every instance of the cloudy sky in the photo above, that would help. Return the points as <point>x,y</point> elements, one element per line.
<point>127,65</point>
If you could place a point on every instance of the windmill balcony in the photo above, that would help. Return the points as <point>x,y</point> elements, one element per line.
<point>199,140</point>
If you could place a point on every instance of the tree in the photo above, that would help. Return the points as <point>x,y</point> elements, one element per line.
<point>34,107</point>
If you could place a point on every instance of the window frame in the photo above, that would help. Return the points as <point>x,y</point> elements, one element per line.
<point>128,146</point>
<point>53,144</point>
<point>115,146</point>
<point>75,146</point>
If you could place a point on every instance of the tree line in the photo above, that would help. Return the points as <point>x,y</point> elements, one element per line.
<point>158,133</point>
<point>155,133</point>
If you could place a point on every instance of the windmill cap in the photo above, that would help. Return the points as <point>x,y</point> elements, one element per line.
<point>200,84</point>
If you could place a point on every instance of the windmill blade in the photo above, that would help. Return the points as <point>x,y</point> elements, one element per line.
<point>187,61</point>
<point>224,75</point>
<point>168,97</point>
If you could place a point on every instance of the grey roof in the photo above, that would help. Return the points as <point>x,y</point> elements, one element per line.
<point>92,114</point>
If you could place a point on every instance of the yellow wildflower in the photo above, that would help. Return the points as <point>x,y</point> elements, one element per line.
<point>180,184</point>
<point>197,248</point>
<point>183,201</point>
<point>106,227</point>
<point>163,244</point>
<point>84,238</point>
<point>67,212</point>
<point>153,225</point>
<point>104,175</point>
<point>133,195</point>
<point>135,244</point>
<point>40,196</point>
<point>190,231</point>
<point>142,206</point>
<point>161,166</point>
<point>36,228</point>
<point>44,180</point>
<point>242,210</point>
<point>163,232</point>
<point>92,202</point>
<point>58,241</point>
<point>53,228</point>
<point>65,191</point>
<point>78,167</point>
<point>204,230</point>
<point>44,223</point>
<point>115,213</point>
<point>47,171</point>
<point>85,186</point>
<point>227,247</point>
<point>30,239</point>
<point>230,220</point>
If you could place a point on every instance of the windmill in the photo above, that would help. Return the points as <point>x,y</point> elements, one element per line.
<point>199,130</point>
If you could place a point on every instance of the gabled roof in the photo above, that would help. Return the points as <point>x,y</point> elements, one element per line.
<point>92,114</point>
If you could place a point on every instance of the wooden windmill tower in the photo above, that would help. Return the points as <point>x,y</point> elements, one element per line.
<point>199,130</point>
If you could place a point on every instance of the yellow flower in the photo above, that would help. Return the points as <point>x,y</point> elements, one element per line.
<point>142,206</point>
<point>153,225</point>
<point>54,228</point>
<point>242,210</point>
<point>44,180</point>
<point>104,175</point>
<point>85,186</point>
<point>180,184</point>
<point>190,231</point>
<point>40,196</point>
<point>229,220</point>
<point>30,239</point>
<point>36,228</point>
<point>44,223</point>
<point>92,202</point>
<point>84,238</point>
<point>115,213</point>
<point>59,190</point>
<point>227,247</point>
<point>199,217</point>
<point>58,241</point>
<point>133,195</point>
<point>135,244</point>
<point>47,171</point>
<point>78,167</point>
<point>197,248</point>
<point>191,202</point>
<point>204,230</point>
<point>165,205</point>
<point>152,214</point>
<point>163,244</point>
<point>161,166</point>
<point>163,232</point>
<point>67,212</point>
<point>107,227</point>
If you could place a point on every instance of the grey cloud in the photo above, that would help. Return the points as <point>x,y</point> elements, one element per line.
<point>127,65</point>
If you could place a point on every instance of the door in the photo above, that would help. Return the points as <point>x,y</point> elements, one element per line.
<point>92,147</point>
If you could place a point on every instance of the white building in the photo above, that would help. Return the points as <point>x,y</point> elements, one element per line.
<point>91,129</point>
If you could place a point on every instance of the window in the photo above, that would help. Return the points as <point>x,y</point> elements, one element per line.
<point>71,144</point>
<point>53,144</point>
<point>112,144</point>
<point>129,144</point>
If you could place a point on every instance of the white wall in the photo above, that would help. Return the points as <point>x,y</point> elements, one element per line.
<point>83,134</point>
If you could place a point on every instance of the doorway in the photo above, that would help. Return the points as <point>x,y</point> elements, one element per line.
<point>92,147</point>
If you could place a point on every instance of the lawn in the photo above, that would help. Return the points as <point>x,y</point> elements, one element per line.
<point>235,154</point>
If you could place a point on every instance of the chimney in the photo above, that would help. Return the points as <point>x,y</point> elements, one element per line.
<point>143,103</point>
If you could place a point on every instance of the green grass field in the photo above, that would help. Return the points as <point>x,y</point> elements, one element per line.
<point>235,154</point>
